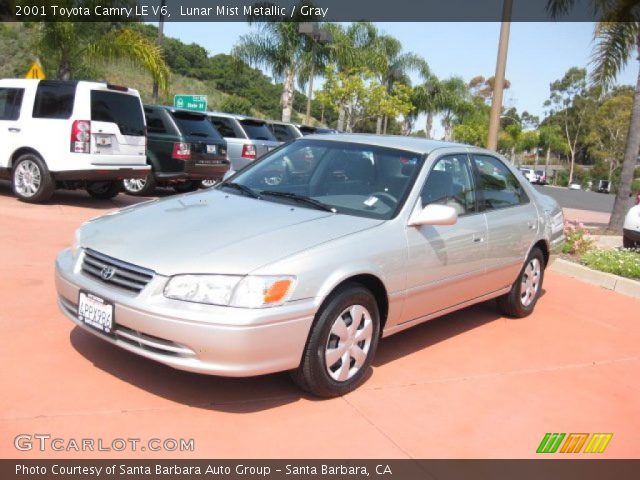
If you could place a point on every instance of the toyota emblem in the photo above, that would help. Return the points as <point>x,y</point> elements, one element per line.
<point>107,273</point>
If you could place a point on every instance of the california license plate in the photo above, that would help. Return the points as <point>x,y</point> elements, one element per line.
<point>211,149</point>
<point>95,312</point>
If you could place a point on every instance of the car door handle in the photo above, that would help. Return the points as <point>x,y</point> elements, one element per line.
<point>531,225</point>
<point>13,129</point>
<point>478,238</point>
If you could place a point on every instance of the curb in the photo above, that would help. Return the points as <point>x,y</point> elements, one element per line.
<point>622,285</point>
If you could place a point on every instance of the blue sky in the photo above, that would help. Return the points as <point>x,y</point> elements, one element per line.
<point>539,53</point>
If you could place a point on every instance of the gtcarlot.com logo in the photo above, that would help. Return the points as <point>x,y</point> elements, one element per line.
<point>45,442</point>
<point>573,442</point>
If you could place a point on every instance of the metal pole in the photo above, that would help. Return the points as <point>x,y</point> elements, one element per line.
<point>498,84</point>
<point>159,43</point>
<point>310,90</point>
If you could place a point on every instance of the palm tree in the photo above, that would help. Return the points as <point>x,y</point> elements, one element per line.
<point>428,99</point>
<point>392,66</point>
<point>72,46</point>
<point>280,47</point>
<point>454,99</point>
<point>616,38</point>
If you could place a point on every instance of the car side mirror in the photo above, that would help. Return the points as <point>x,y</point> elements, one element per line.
<point>434,214</point>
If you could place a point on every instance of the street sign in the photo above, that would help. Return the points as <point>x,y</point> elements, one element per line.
<point>35,71</point>
<point>191,102</point>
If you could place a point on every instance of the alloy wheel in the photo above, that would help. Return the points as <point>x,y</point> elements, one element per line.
<point>134,185</point>
<point>27,178</point>
<point>530,282</point>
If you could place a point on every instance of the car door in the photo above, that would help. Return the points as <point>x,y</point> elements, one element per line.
<point>512,219</point>
<point>446,263</point>
<point>10,128</point>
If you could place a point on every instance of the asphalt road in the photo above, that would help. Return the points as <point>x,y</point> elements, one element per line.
<point>579,199</point>
<point>472,384</point>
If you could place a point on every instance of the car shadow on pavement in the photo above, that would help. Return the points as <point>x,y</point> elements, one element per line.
<point>243,395</point>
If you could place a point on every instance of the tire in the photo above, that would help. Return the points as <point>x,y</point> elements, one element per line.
<point>519,304</point>
<point>627,242</point>
<point>184,187</point>
<point>336,315</point>
<point>31,180</point>
<point>140,187</point>
<point>103,190</point>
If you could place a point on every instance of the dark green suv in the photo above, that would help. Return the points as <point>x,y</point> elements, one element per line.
<point>183,149</point>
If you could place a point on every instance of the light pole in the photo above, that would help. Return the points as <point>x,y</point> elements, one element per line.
<point>317,35</point>
<point>498,82</point>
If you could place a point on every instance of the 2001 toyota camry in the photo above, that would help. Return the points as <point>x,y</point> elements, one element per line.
<point>305,259</point>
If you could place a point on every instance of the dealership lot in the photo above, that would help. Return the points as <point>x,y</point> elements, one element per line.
<point>471,384</point>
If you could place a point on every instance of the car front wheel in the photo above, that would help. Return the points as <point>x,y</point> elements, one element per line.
<point>522,298</point>
<point>341,345</point>
<point>140,186</point>
<point>31,179</point>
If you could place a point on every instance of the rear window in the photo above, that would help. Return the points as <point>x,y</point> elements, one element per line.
<point>195,124</point>
<point>257,130</point>
<point>54,100</point>
<point>225,127</point>
<point>119,108</point>
<point>10,102</point>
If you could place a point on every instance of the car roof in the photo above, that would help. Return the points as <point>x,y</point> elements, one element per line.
<point>415,144</point>
<point>236,116</point>
<point>172,109</point>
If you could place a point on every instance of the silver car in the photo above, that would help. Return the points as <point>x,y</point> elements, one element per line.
<point>247,138</point>
<point>306,258</point>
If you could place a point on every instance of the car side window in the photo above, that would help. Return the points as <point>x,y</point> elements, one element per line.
<point>54,100</point>
<point>497,186</point>
<point>10,103</point>
<point>154,122</point>
<point>450,182</point>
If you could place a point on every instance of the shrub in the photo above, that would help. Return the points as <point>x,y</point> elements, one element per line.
<point>577,239</point>
<point>625,263</point>
<point>635,186</point>
<point>235,104</point>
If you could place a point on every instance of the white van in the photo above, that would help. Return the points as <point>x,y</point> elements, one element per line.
<point>70,134</point>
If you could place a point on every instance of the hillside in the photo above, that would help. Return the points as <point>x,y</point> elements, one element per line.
<point>192,72</point>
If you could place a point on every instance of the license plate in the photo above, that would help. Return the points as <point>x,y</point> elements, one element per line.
<point>103,140</point>
<point>95,312</point>
<point>211,149</point>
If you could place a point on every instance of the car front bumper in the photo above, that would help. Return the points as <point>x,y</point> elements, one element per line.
<point>208,339</point>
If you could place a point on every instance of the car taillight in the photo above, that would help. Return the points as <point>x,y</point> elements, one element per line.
<point>81,136</point>
<point>249,151</point>
<point>181,151</point>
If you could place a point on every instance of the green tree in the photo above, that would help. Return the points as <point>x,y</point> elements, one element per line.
<point>235,104</point>
<point>550,139</point>
<point>454,101</point>
<point>616,39</point>
<point>72,47</point>
<point>568,104</point>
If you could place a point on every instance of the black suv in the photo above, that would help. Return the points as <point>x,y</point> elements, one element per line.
<point>183,149</point>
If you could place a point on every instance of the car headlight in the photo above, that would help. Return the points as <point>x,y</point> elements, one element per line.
<point>230,290</point>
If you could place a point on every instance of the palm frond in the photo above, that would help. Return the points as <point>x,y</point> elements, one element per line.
<point>129,44</point>
<point>613,45</point>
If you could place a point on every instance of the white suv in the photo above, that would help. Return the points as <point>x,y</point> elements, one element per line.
<point>70,134</point>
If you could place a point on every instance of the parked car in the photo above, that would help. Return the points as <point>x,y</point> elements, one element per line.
<point>183,149</point>
<point>575,186</point>
<point>541,177</point>
<point>283,131</point>
<point>529,174</point>
<point>307,270</point>
<point>604,186</point>
<point>631,228</point>
<point>69,134</point>
<point>309,130</point>
<point>247,138</point>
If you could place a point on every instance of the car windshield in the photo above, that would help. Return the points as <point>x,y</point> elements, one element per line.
<point>347,178</point>
<point>257,130</point>
<point>195,124</point>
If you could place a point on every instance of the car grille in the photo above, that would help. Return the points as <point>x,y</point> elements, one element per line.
<point>115,272</point>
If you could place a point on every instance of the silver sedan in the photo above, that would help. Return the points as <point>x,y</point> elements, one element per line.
<point>305,259</point>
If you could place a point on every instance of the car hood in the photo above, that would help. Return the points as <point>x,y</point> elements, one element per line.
<point>213,232</point>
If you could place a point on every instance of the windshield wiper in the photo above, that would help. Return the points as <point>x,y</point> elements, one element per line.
<point>301,199</point>
<point>241,188</point>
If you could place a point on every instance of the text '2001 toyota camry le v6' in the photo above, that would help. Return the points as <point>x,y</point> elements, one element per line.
<point>303,260</point>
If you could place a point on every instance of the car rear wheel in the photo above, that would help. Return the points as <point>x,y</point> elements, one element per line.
<point>522,298</point>
<point>341,345</point>
<point>628,243</point>
<point>140,186</point>
<point>207,183</point>
<point>103,190</point>
<point>31,179</point>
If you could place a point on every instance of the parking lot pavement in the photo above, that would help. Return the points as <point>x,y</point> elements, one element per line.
<point>471,384</point>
